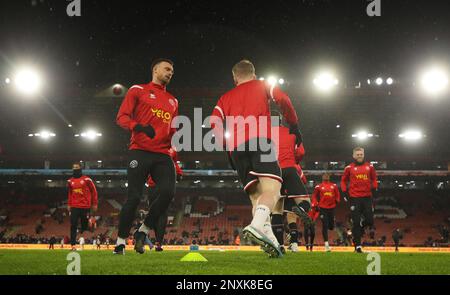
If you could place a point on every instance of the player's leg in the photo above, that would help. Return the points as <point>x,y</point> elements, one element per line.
<point>137,173</point>
<point>277,221</point>
<point>306,234</point>
<point>291,219</point>
<point>367,212</point>
<point>74,216</point>
<point>84,220</point>
<point>312,227</point>
<point>260,229</point>
<point>324,219</point>
<point>295,189</point>
<point>356,211</point>
<point>163,173</point>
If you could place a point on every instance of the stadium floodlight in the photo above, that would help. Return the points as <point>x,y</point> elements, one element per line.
<point>379,81</point>
<point>411,135</point>
<point>89,134</point>
<point>434,81</point>
<point>261,78</point>
<point>28,81</point>
<point>325,81</point>
<point>44,134</point>
<point>7,80</point>
<point>362,135</point>
<point>368,81</point>
<point>281,81</point>
<point>272,80</point>
<point>389,81</point>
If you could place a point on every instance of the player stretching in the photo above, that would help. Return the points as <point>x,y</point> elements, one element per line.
<point>82,197</point>
<point>257,167</point>
<point>325,197</point>
<point>147,112</point>
<point>363,185</point>
<point>296,198</point>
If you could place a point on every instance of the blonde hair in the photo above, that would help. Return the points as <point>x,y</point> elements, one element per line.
<point>243,69</point>
<point>357,149</point>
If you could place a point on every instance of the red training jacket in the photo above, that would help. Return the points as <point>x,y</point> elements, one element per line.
<point>362,178</point>
<point>149,104</point>
<point>82,192</point>
<point>250,102</point>
<point>289,154</point>
<point>326,195</point>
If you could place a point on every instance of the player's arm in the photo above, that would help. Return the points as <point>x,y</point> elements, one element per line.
<point>174,121</point>
<point>178,169</point>
<point>94,195</point>
<point>125,115</point>
<point>287,109</point>
<point>315,197</point>
<point>373,179</point>
<point>337,194</point>
<point>299,153</point>
<point>217,120</point>
<point>344,181</point>
<point>69,196</point>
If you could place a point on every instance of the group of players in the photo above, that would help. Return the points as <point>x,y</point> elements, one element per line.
<point>274,182</point>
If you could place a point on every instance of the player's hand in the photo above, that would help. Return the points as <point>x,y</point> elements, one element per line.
<point>147,130</point>
<point>345,196</point>
<point>179,177</point>
<point>298,135</point>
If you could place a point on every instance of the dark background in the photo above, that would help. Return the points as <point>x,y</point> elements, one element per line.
<point>115,41</point>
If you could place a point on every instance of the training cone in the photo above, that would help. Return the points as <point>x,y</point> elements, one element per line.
<point>197,257</point>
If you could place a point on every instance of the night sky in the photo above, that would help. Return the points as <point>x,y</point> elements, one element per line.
<point>116,40</point>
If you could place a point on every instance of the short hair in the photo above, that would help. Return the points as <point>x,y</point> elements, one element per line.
<point>244,68</point>
<point>327,174</point>
<point>357,149</point>
<point>77,163</point>
<point>160,60</point>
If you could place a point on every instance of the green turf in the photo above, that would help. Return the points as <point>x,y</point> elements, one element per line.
<point>103,262</point>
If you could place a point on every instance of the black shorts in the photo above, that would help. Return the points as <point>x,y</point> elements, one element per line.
<point>251,164</point>
<point>292,187</point>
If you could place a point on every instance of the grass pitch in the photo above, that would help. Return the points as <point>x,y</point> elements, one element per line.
<point>46,262</point>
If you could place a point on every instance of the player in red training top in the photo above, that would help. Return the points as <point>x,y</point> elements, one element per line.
<point>325,197</point>
<point>245,110</point>
<point>82,196</point>
<point>359,185</point>
<point>147,112</point>
<point>295,198</point>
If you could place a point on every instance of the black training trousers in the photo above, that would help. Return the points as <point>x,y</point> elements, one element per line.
<point>361,208</point>
<point>162,170</point>
<point>75,215</point>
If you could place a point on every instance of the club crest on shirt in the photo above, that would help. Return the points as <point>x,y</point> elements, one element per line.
<point>133,164</point>
<point>152,95</point>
